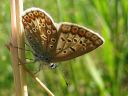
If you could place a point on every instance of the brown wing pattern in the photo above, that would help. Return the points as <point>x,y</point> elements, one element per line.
<point>75,41</point>
<point>40,31</point>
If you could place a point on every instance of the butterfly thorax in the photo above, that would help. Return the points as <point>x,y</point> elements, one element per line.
<point>42,57</point>
<point>46,60</point>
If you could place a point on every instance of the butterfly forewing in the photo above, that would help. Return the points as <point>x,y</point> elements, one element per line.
<point>40,31</point>
<point>75,41</point>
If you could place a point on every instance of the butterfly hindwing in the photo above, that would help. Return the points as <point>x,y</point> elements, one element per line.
<point>75,41</point>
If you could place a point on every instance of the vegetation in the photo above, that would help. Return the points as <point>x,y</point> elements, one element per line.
<point>102,72</point>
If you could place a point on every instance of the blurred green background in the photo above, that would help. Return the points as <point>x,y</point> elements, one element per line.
<point>102,72</point>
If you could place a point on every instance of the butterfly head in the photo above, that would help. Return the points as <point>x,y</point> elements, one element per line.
<point>53,65</point>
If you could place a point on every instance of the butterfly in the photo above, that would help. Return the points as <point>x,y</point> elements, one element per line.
<point>52,42</point>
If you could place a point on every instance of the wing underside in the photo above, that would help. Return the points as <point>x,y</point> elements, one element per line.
<point>40,31</point>
<point>75,41</point>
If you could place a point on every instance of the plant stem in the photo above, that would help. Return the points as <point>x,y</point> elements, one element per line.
<point>17,40</point>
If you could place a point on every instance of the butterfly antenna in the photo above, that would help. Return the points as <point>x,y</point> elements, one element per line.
<point>39,68</point>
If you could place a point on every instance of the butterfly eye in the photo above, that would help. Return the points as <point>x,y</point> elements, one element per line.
<point>53,66</point>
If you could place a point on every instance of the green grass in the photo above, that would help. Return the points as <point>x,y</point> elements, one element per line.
<point>103,72</point>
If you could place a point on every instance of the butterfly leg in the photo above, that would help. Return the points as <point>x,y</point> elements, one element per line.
<point>39,68</point>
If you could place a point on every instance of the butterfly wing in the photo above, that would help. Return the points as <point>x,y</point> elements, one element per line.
<point>75,41</point>
<point>57,43</point>
<point>40,31</point>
